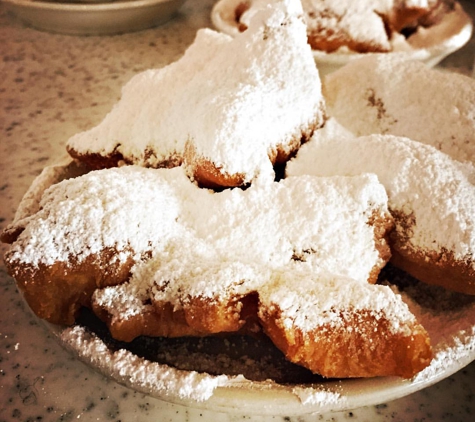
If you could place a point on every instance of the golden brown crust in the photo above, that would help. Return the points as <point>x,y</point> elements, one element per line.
<point>368,350</point>
<point>207,174</point>
<point>10,234</point>
<point>97,161</point>
<point>363,345</point>
<point>383,227</point>
<point>329,41</point>
<point>211,175</point>
<point>437,268</point>
<point>164,323</point>
<point>198,317</point>
<point>57,292</point>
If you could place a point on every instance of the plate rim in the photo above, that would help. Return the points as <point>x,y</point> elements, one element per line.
<point>91,19</point>
<point>238,393</point>
<point>52,5</point>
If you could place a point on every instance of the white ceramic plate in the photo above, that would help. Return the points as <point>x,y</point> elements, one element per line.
<point>453,342</point>
<point>448,317</point>
<point>431,45</point>
<point>112,17</point>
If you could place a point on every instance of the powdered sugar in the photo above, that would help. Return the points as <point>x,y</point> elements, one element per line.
<point>189,387</point>
<point>234,93</point>
<point>142,374</point>
<point>230,249</point>
<point>320,397</point>
<point>449,319</point>
<point>349,23</point>
<point>454,351</point>
<point>420,181</point>
<point>389,95</point>
<point>84,216</point>
<point>311,300</point>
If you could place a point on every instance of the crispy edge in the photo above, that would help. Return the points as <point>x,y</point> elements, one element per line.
<point>431,267</point>
<point>362,346</point>
<point>57,292</point>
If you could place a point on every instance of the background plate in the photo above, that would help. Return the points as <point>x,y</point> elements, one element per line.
<point>429,46</point>
<point>93,19</point>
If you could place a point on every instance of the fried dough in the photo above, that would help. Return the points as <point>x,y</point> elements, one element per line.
<point>431,197</point>
<point>174,269</point>
<point>337,327</point>
<point>384,94</point>
<point>367,26</point>
<point>228,110</point>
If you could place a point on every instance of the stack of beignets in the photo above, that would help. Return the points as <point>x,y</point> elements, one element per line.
<point>156,252</point>
<point>83,239</point>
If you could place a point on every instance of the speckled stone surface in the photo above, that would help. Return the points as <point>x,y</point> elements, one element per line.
<point>52,86</point>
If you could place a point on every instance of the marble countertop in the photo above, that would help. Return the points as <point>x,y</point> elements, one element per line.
<point>51,87</point>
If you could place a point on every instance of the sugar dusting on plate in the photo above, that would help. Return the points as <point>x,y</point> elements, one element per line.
<point>448,317</point>
<point>142,374</point>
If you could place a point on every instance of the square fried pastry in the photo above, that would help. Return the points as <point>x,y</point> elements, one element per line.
<point>228,110</point>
